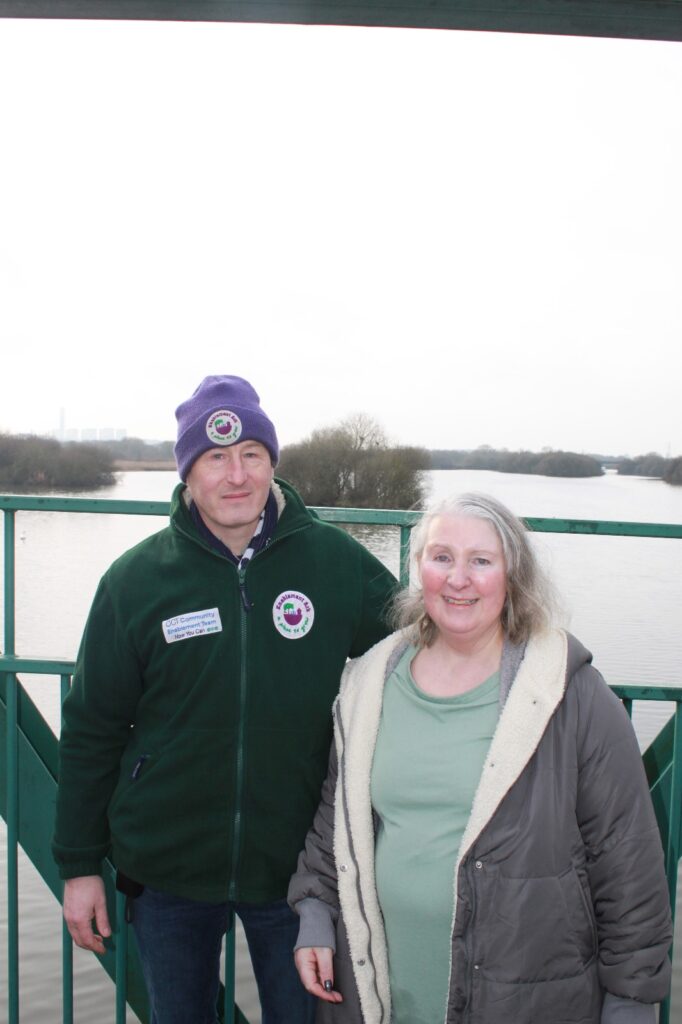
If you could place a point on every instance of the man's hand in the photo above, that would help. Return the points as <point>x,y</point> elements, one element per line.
<point>314,966</point>
<point>84,900</point>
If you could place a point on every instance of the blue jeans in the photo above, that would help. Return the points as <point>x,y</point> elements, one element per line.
<point>180,941</point>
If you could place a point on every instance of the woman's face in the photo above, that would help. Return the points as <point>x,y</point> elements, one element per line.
<point>464,577</point>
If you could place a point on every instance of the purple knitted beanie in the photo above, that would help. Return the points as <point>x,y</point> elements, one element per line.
<point>222,411</point>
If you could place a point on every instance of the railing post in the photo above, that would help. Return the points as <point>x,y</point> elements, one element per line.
<point>11,754</point>
<point>121,959</point>
<point>404,576</point>
<point>67,942</point>
<point>12,849</point>
<point>64,685</point>
<point>9,580</point>
<point>67,976</point>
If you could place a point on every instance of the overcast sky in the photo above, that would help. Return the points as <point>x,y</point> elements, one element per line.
<point>474,237</point>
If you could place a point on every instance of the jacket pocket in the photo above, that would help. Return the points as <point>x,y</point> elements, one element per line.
<point>580,913</point>
<point>532,929</point>
<point>135,765</point>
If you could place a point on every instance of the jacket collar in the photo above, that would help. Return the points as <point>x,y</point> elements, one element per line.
<point>537,690</point>
<point>292,513</point>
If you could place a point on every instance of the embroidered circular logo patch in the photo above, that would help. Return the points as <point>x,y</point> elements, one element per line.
<point>224,427</point>
<point>293,614</point>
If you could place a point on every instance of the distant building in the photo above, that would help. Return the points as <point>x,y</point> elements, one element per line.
<point>62,433</point>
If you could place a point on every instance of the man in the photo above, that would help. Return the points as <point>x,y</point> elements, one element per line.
<point>196,733</point>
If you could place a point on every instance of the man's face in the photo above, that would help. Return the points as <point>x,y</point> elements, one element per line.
<point>230,486</point>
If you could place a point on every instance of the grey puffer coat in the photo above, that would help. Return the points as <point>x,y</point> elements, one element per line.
<point>561,899</point>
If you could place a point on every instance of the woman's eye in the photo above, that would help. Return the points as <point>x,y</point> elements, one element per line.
<point>481,561</point>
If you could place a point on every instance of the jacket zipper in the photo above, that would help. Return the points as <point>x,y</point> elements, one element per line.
<point>239,780</point>
<point>245,608</point>
<point>238,820</point>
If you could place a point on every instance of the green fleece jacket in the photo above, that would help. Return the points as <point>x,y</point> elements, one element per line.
<point>193,750</point>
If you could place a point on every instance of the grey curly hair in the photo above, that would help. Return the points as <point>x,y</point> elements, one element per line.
<point>530,600</point>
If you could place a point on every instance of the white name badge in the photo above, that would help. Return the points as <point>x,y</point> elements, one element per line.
<point>181,627</point>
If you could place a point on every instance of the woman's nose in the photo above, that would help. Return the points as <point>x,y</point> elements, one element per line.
<point>458,575</point>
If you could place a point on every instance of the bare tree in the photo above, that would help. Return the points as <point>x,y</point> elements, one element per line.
<point>352,465</point>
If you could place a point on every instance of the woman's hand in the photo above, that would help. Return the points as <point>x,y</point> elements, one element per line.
<point>314,966</point>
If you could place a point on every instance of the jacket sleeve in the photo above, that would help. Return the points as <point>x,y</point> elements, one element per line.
<point>378,588</point>
<point>626,1011</point>
<point>313,892</point>
<point>97,716</point>
<point>623,848</point>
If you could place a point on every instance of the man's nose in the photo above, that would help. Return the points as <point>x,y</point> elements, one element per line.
<point>235,471</point>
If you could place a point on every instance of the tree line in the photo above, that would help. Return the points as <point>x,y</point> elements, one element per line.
<point>42,463</point>
<point>544,463</point>
<point>350,465</point>
<point>654,465</point>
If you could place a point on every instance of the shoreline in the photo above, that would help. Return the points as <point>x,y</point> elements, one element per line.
<point>128,466</point>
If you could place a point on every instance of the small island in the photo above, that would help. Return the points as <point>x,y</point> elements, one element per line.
<point>40,463</point>
<point>32,463</point>
<point>654,466</point>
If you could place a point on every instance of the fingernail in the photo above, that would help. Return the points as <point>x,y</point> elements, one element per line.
<point>328,985</point>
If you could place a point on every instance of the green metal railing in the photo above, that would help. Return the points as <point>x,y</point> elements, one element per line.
<point>28,772</point>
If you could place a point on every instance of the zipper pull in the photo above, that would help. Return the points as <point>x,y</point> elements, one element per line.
<point>242,591</point>
<point>138,767</point>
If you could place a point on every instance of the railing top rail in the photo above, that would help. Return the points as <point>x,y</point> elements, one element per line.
<point>604,527</point>
<point>366,516</point>
<point>40,666</point>
<point>630,691</point>
<point>104,506</point>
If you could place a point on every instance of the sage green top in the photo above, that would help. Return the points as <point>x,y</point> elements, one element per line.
<point>428,759</point>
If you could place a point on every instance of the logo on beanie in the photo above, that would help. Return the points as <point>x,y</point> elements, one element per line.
<point>293,614</point>
<point>224,427</point>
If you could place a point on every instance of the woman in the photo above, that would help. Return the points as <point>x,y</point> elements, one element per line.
<point>478,746</point>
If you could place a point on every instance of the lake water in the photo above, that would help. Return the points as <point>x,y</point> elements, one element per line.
<point>621,596</point>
